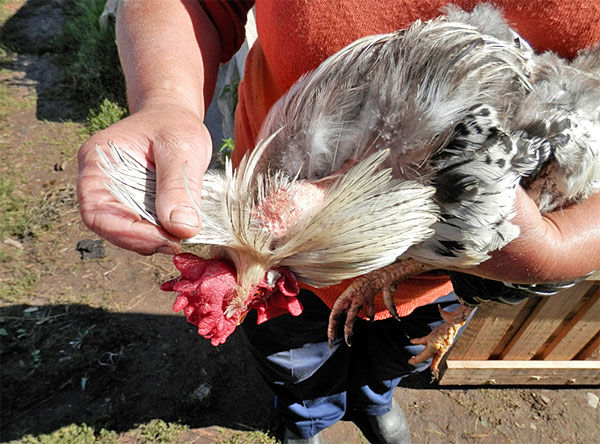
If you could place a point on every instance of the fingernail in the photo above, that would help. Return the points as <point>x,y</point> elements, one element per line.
<point>185,216</point>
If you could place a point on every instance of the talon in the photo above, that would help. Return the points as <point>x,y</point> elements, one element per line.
<point>349,324</point>
<point>446,315</point>
<point>331,328</point>
<point>388,300</point>
<point>361,293</point>
<point>348,339</point>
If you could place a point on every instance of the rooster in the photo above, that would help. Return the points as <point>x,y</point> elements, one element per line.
<point>399,154</point>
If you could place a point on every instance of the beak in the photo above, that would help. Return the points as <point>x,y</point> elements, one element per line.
<point>242,317</point>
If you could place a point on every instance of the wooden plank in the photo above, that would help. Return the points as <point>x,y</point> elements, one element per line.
<point>461,346</point>
<point>521,373</point>
<point>528,307</point>
<point>591,349</point>
<point>547,316</point>
<point>487,328</point>
<point>579,334</point>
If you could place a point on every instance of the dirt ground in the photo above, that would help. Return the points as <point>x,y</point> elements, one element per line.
<point>95,341</point>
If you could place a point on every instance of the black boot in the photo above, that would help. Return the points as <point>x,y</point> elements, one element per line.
<point>391,427</point>
<point>290,438</point>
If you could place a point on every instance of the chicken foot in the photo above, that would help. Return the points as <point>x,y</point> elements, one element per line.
<point>361,293</point>
<point>441,338</point>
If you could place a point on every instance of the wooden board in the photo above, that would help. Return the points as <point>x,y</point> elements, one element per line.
<point>582,331</point>
<point>544,341</point>
<point>591,350</point>
<point>521,373</point>
<point>488,327</point>
<point>548,315</point>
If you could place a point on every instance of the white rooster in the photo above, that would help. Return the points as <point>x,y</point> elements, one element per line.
<point>406,146</point>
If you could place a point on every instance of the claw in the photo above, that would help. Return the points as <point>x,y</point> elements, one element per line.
<point>441,338</point>
<point>337,313</point>
<point>361,293</point>
<point>388,300</point>
<point>349,303</point>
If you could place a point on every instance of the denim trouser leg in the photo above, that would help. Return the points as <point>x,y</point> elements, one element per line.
<point>314,384</point>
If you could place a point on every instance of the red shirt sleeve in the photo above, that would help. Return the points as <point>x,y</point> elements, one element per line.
<point>229,18</point>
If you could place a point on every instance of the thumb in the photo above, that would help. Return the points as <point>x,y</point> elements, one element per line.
<point>175,159</point>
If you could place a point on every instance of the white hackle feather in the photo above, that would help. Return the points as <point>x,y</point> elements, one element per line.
<point>366,221</point>
<point>394,215</point>
<point>131,182</point>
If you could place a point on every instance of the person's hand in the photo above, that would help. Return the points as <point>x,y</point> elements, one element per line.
<point>169,137</point>
<point>560,245</point>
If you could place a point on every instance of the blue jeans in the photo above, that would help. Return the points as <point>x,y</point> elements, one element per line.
<point>315,386</point>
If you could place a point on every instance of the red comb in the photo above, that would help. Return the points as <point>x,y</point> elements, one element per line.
<point>206,287</point>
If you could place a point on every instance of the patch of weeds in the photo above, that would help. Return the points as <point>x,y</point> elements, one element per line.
<point>220,157</point>
<point>66,139</point>
<point>8,254</point>
<point>5,10</point>
<point>158,431</point>
<point>21,218</point>
<point>29,26</point>
<point>72,434</point>
<point>70,35</point>
<point>54,204</point>
<point>104,115</point>
<point>255,437</point>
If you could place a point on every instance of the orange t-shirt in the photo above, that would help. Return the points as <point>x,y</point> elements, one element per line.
<point>295,36</point>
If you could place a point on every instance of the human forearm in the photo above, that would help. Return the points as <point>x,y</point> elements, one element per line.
<point>560,245</point>
<point>169,52</point>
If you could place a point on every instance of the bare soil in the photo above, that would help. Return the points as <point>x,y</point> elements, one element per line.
<point>95,341</point>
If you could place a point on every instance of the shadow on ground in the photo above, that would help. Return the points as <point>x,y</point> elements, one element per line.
<point>66,364</point>
<point>30,32</point>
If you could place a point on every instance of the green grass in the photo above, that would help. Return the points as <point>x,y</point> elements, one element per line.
<point>104,115</point>
<point>72,434</point>
<point>255,437</point>
<point>9,103</point>
<point>86,52</point>
<point>21,217</point>
<point>227,146</point>
<point>6,56</point>
<point>17,287</point>
<point>156,431</point>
